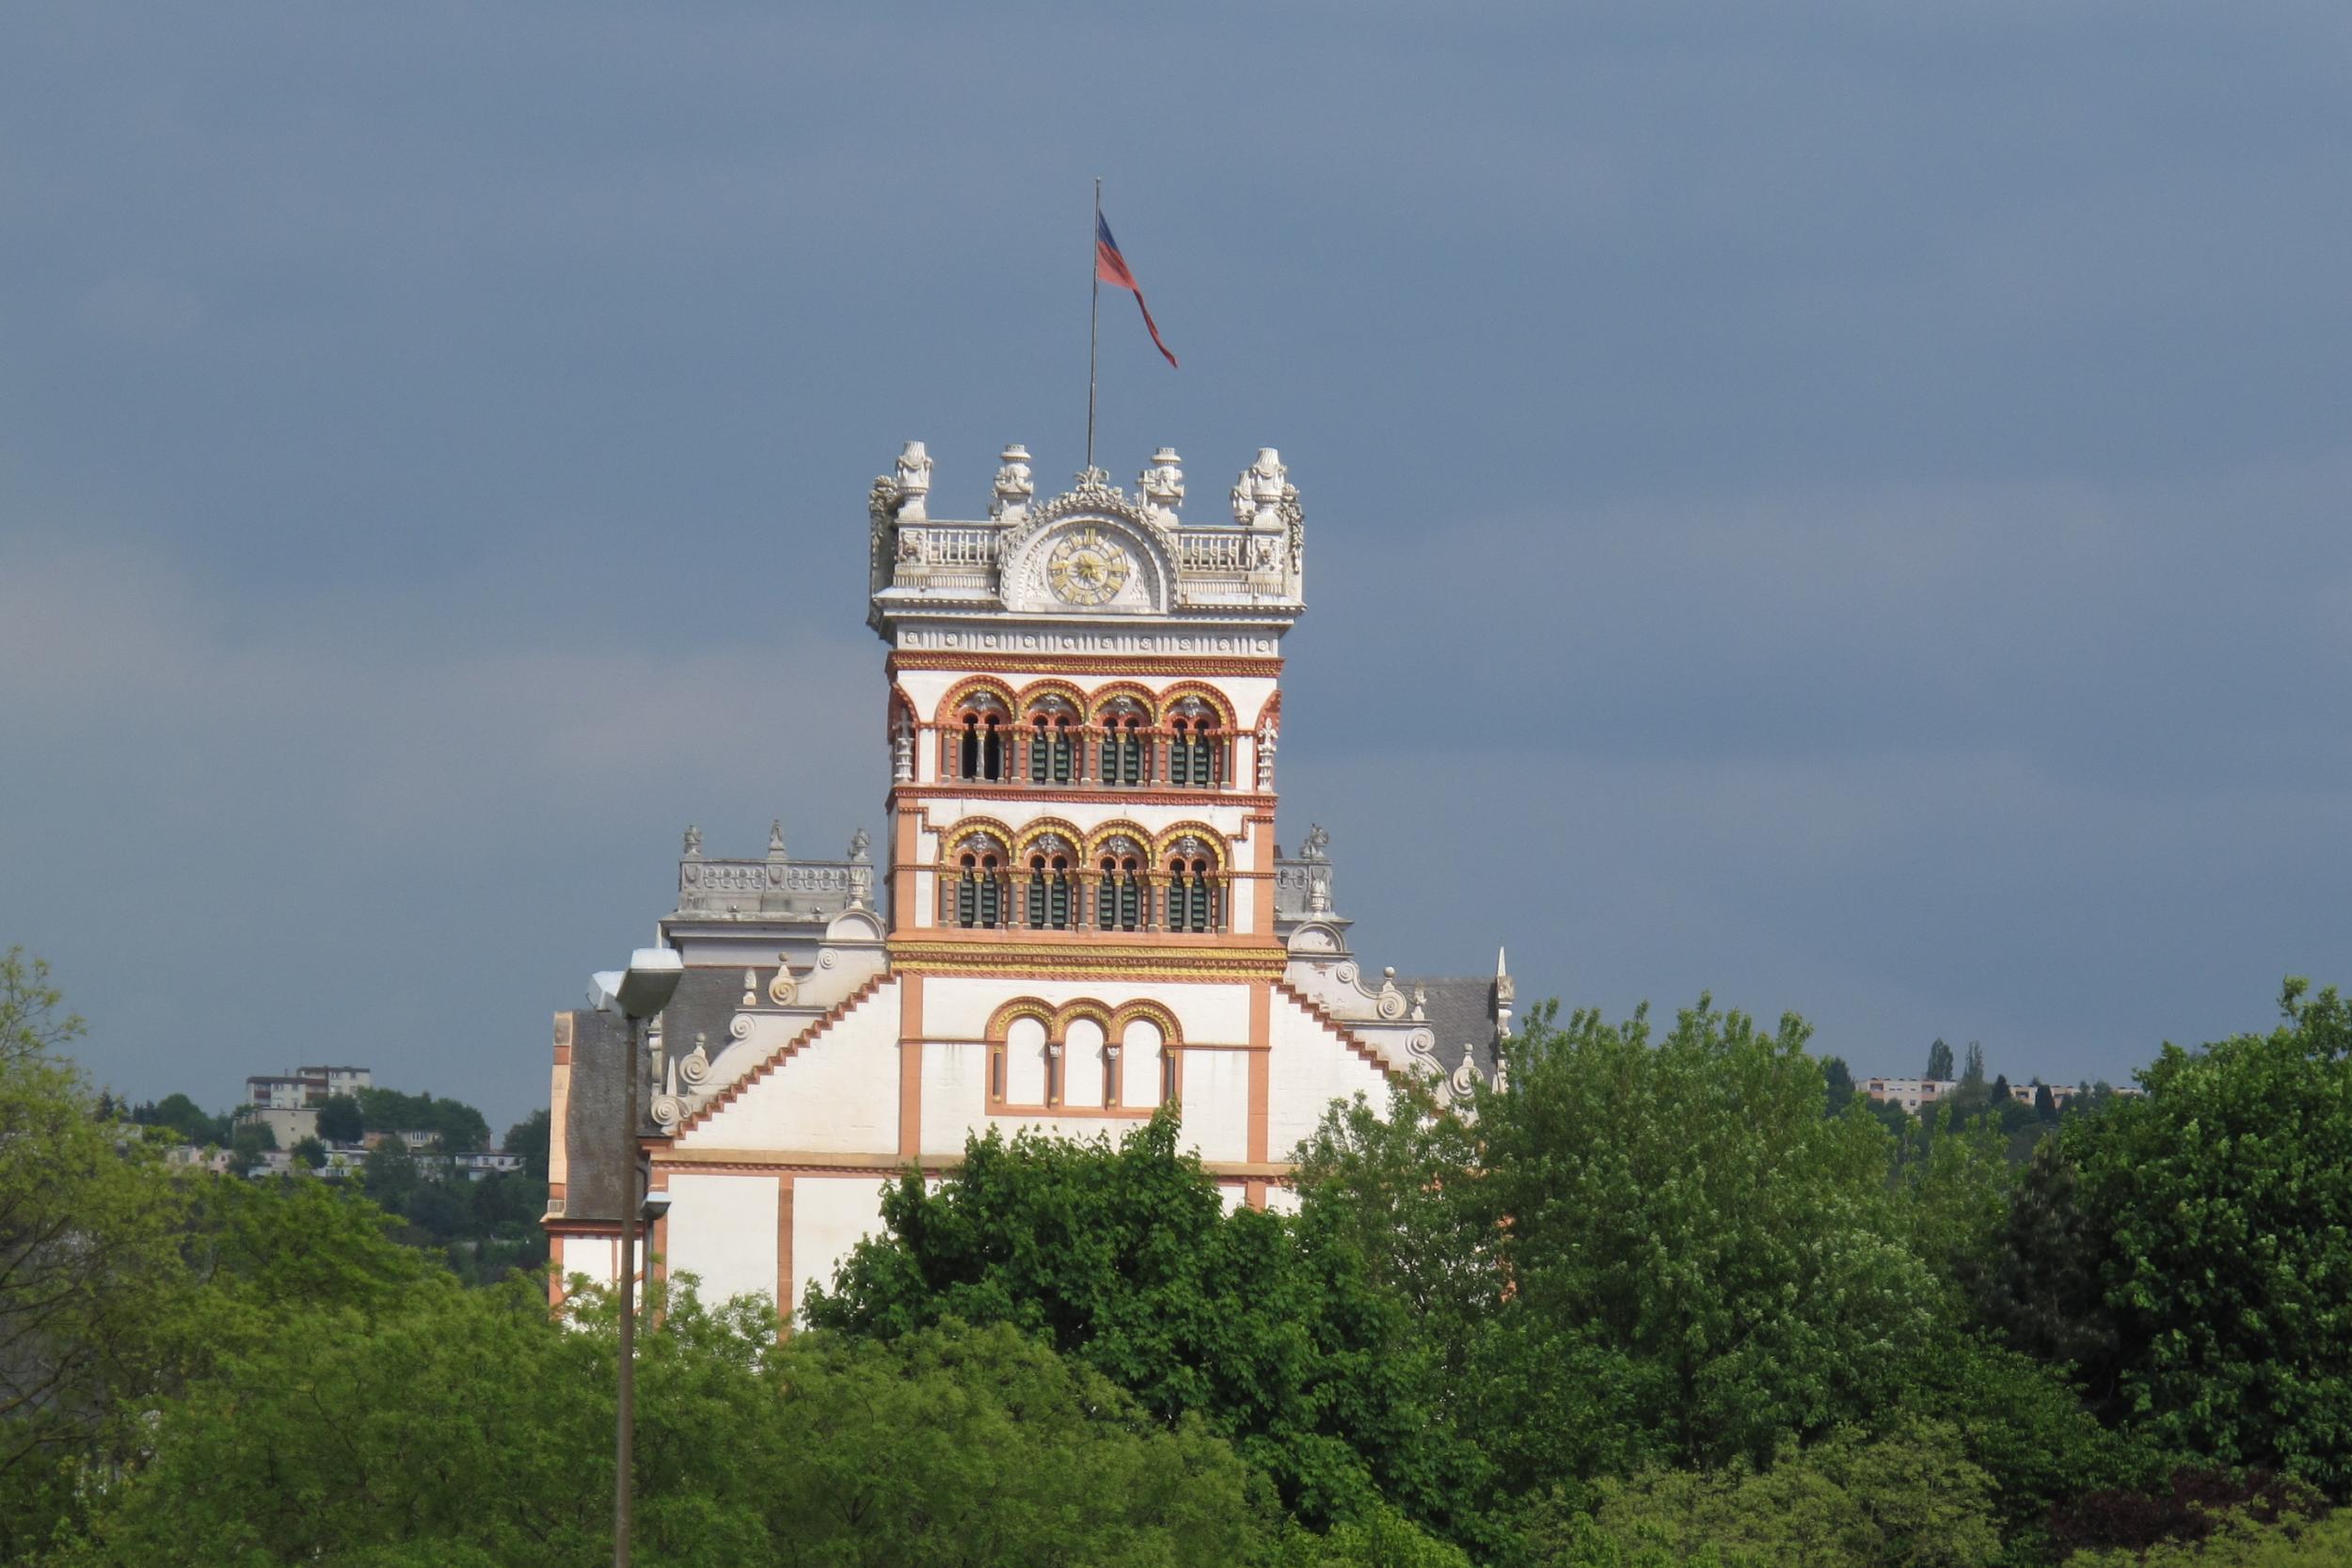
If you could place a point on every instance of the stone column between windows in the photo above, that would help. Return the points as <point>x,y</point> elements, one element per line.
<point>1262,887</point>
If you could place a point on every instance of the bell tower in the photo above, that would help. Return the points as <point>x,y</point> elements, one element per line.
<point>1085,698</point>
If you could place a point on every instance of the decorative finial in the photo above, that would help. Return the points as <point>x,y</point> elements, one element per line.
<point>694,849</point>
<point>860,844</point>
<point>1318,845</point>
<point>914,483</point>
<point>1259,494</point>
<point>1162,482</point>
<point>775,839</point>
<point>1014,485</point>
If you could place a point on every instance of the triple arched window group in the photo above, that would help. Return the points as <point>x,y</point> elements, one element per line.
<point>1083,1056</point>
<point>1119,880</point>
<point>1123,741</point>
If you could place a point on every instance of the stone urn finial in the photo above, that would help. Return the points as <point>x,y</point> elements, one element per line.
<point>914,483</point>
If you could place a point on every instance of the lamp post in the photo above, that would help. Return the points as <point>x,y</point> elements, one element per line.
<point>635,994</point>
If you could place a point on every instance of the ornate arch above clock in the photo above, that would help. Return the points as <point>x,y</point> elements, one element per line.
<point>1089,552</point>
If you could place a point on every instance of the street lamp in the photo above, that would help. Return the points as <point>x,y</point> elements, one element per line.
<point>635,994</point>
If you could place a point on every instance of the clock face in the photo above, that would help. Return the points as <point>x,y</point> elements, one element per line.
<point>1087,567</point>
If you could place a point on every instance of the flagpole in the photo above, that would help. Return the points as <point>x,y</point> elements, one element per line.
<point>1094,312</point>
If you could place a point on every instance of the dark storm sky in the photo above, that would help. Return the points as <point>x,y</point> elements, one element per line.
<point>1842,504</point>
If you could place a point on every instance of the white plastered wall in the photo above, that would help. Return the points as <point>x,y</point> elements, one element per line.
<point>829,1216</point>
<point>1216,1104</point>
<point>1310,1068</point>
<point>723,1228</point>
<point>836,1094</point>
<point>599,1257</point>
<point>955,1087</point>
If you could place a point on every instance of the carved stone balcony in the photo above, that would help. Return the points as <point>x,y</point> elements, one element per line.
<point>772,889</point>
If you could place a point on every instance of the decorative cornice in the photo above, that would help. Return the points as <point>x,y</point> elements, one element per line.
<point>1175,665</point>
<point>1020,957</point>
<point>1258,802</point>
<point>763,1160</point>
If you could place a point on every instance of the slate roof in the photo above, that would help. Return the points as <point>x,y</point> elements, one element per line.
<point>592,1119</point>
<point>1460,1010</point>
<point>706,1001</point>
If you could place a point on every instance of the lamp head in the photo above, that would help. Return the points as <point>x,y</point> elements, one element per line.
<point>642,989</point>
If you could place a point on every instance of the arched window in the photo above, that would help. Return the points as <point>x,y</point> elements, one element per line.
<point>1194,748</point>
<point>1053,905</point>
<point>1052,742</point>
<point>1192,893</point>
<point>1124,760</point>
<point>1022,1070</point>
<point>1141,1072</point>
<point>980,900</point>
<point>980,740</point>
<point>1083,1055</point>
<point>1119,895</point>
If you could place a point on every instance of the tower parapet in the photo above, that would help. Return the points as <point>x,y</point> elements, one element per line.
<point>1091,553</point>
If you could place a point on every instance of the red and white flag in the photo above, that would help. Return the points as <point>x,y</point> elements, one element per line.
<point>1111,267</point>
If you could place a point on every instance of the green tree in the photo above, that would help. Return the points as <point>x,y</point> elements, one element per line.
<point>2223,1199</point>
<point>528,1138</point>
<point>1839,1077</point>
<point>87,1264</point>
<point>188,1119</point>
<point>389,1174</point>
<point>1972,1071</point>
<point>2037,1287</point>
<point>459,1127</point>
<point>1128,1260</point>
<point>2242,1542</point>
<point>311,1152</point>
<point>469,1429</point>
<point>1649,1251</point>
<point>1908,1498</point>
<point>251,1138</point>
<point>1939,1060</point>
<point>2023,1424</point>
<point>340,1119</point>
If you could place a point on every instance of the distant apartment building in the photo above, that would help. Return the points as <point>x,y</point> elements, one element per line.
<point>1913,1093</point>
<point>1909,1093</point>
<point>305,1085</point>
<point>337,1080</point>
<point>288,1104</point>
<point>279,1093</point>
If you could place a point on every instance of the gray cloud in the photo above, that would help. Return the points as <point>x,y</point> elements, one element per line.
<point>1846,507</point>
